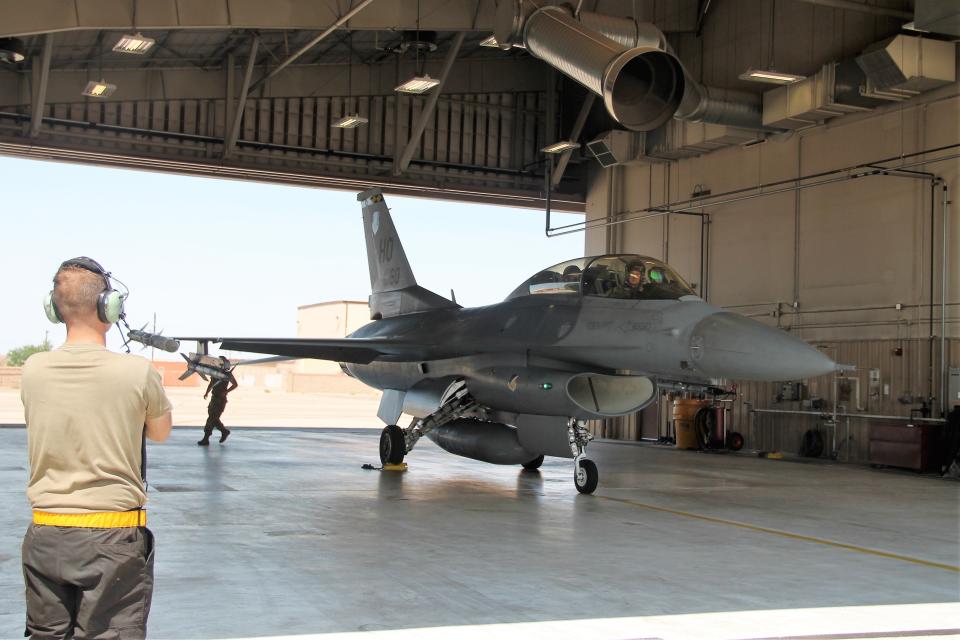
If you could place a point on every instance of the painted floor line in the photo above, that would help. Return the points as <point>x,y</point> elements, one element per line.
<point>787,534</point>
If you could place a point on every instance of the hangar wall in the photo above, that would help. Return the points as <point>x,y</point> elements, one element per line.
<point>846,265</point>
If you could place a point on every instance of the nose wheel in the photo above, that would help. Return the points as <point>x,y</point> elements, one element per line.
<point>586,476</point>
<point>392,445</point>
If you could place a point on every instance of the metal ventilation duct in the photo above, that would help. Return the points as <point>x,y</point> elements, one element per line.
<point>641,87</point>
<point>626,31</point>
<point>903,66</point>
<point>699,103</point>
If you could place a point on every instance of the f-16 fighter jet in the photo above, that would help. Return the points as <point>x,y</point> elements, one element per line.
<point>512,382</point>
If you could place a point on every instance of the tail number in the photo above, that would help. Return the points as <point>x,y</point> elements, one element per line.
<point>391,277</point>
<point>385,251</point>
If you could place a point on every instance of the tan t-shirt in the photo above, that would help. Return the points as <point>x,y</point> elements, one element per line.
<point>85,409</point>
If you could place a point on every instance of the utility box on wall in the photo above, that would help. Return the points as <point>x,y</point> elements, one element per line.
<point>953,388</point>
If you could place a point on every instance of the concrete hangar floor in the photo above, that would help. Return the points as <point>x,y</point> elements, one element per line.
<point>281,533</point>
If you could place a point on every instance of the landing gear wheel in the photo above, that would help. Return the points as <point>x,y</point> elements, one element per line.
<point>534,464</point>
<point>734,441</point>
<point>586,476</point>
<point>392,445</point>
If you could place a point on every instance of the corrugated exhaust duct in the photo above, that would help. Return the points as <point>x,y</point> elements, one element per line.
<point>641,86</point>
<point>699,103</point>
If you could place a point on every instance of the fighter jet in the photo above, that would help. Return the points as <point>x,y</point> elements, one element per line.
<point>509,383</point>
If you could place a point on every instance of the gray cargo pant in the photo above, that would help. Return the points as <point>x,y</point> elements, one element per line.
<point>88,583</point>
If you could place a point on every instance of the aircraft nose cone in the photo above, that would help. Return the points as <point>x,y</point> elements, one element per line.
<point>727,345</point>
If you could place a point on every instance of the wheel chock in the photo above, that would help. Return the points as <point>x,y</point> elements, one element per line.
<point>395,467</point>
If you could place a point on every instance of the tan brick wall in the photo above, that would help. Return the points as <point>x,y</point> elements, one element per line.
<point>10,377</point>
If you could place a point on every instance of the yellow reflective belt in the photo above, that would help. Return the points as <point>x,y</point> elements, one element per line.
<point>100,520</point>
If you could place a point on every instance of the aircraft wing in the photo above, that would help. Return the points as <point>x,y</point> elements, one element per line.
<point>356,350</point>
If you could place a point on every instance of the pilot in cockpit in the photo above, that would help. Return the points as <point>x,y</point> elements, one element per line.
<point>571,273</point>
<point>636,274</point>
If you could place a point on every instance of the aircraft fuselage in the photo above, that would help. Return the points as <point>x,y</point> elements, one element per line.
<point>677,340</point>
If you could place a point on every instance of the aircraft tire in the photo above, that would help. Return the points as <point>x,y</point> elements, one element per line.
<point>392,445</point>
<point>534,464</point>
<point>586,477</point>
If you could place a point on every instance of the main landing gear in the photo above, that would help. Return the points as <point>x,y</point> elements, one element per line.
<point>396,442</point>
<point>585,474</point>
<point>392,447</point>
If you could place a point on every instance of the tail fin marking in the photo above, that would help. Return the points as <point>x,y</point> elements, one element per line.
<point>394,289</point>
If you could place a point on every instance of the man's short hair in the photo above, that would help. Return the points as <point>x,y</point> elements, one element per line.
<point>75,292</point>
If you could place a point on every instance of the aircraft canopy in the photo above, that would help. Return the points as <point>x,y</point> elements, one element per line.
<point>608,277</point>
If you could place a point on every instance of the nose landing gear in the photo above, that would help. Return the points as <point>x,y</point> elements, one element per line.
<point>585,473</point>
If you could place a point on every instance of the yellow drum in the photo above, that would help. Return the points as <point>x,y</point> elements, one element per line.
<point>684,411</point>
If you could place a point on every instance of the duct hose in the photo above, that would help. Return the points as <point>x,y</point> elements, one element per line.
<point>640,86</point>
<point>699,103</point>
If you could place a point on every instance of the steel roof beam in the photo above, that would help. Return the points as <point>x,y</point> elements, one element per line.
<point>231,140</point>
<point>849,5</point>
<point>40,88</point>
<point>31,18</point>
<point>310,45</point>
<point>414,142</point>
<point>557,174</point>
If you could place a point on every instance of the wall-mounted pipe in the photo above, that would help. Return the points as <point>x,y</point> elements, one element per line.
<point>641,86</point>
<point>944,210</point>
<point>764,190</point>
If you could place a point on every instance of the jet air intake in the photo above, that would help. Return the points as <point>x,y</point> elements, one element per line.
<point>641,86</point>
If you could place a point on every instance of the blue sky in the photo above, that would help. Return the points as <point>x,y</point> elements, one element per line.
<point>224,257</point>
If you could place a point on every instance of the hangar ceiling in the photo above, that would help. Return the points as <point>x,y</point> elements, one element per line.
<point>251,90</point>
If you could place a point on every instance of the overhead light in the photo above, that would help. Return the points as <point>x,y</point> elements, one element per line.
<point>417,84</point>
<point>350,122</point>
<point>490,41</point>
<point>775,77</point>
<point>99,89</point>
<point>560,147</point>
<point>137,44</point>
<point>12,50</point>
<point>912,26</point>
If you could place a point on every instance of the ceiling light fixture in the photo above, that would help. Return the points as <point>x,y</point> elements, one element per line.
<point>560,147</point>
<point>99,89</point>
<point>356,120</point>
<point>417,85</point>
<point>490,41</point>
<point>350,122</point>
<point>774,77</point>
<point>136,44</point>
<point>12,50</point>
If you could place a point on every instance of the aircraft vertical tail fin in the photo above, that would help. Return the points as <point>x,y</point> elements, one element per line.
<point>394,289</point>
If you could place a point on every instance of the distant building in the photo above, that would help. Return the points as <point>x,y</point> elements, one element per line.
<point>334,319</point>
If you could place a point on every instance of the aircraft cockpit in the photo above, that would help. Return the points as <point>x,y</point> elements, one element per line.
<point>624,276</point>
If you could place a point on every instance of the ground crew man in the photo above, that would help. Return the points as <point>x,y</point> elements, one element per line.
<point>219,387</point>
<point>88,556</point>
